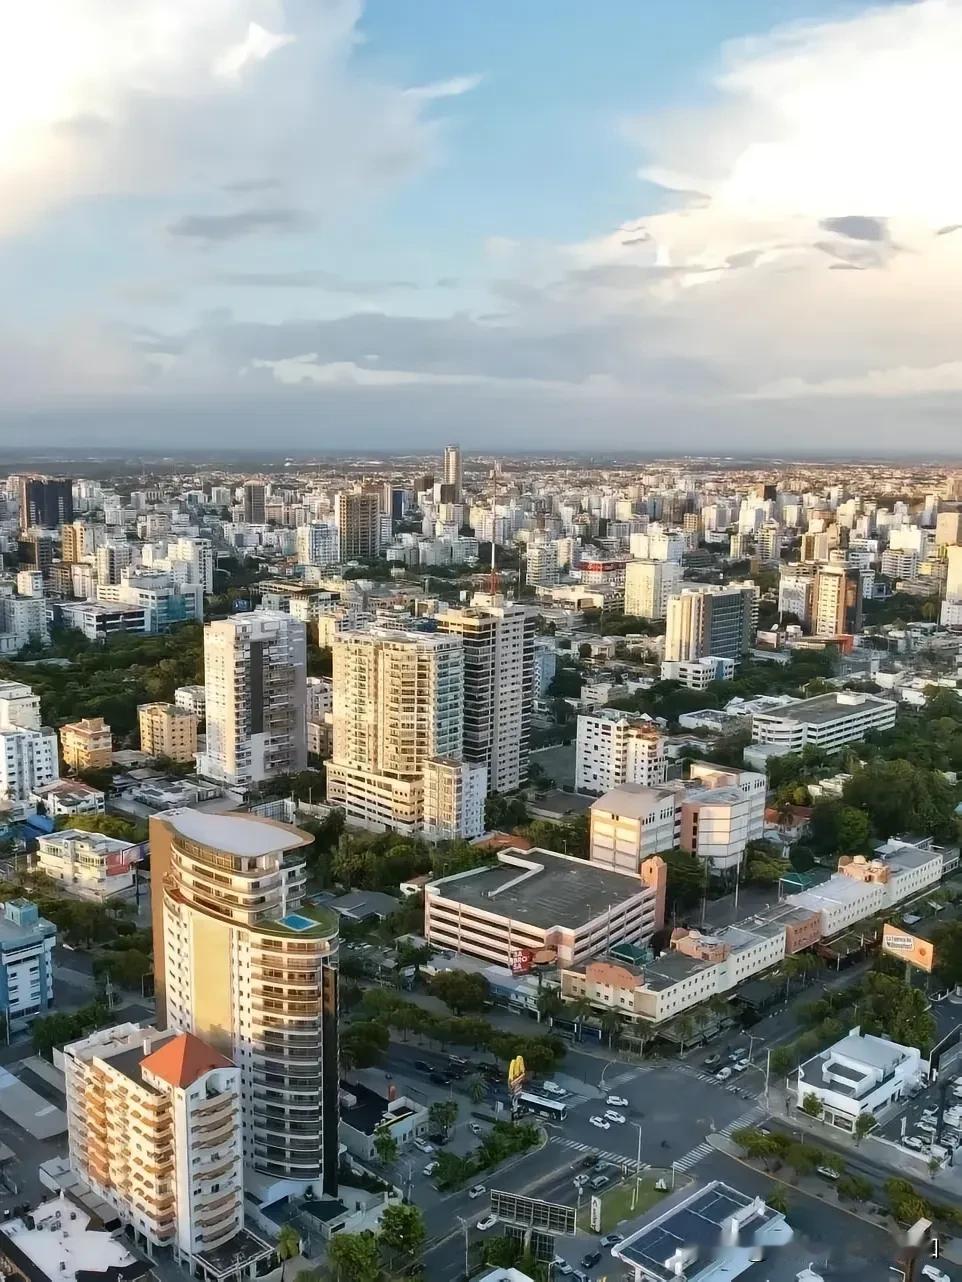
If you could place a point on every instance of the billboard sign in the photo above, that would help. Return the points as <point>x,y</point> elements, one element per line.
<point>532,1212</point>
<point>595,1213</point>
<point>908,948</point>
<point>522,960</point>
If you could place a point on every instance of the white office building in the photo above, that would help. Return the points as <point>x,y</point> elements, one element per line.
<point>255,698</point>
<point>317,544</point>
<point>649,584</point>
<point>398,704</point>
<point>827,721</point>
<point>698,674</point>
<point>498,647</point>
<point>88,865</point>
<point>861,1075</point>
<point>615,748</point>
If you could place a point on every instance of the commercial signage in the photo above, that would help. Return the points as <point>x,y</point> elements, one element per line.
<point>908,948</point>
<point>522,960</point>
<point>516,1074</point>
<point>532,1212</point>
<point>595,1213</point>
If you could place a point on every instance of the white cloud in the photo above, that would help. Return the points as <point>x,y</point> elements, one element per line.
<point>179,98</point>
<point>901,380</point>
<point>452,88</point>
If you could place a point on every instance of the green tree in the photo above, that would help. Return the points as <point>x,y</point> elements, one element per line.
<point>503,1252</point>
<point>363,1044</point>
<point>109,825</point>
<point>778,1201</point>
<point>854,1188</point>
<point>686,880</point>
<point>461,990</point>
<point>812,1105</point>
<point>442,1115</point>
<point>354,1257</point>
<point>402,1229</point>
<point>385,1146</point>
<point>477,1090</point>
<point>864,1124</point>
<point>288,1246</point>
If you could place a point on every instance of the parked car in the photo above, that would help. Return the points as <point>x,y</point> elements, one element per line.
<point>430,1168</point>
<point>723,1075</point>
<point>552,1088</point>
<point>612,1116</point>
<point>476,1128</point>
<point>913,1142</point>
<point>617,1101</point>
<point>590,1259</point>
<point>598,1181</point>
<point>736,1053</point>
<point>711,1060</point>
<point>486,1222</point>
<point>742,1064</point>
<point>927,1128</point>
<point>601,1122</point>
<point>424,1146</point>
<point>560,1265</point>
<point>476,1190</point>
<point>827,1172</point>
<point>611,1239</point>
<point>932,1273</point>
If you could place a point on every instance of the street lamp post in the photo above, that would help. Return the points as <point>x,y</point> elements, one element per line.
<point>634,1191</point>
<point>464,1225</point>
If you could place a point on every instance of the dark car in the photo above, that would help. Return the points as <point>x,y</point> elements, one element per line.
<point>590,1160</point>
<point>440,1079</point>
<point>589,1260</point>
<point>423,1065</point>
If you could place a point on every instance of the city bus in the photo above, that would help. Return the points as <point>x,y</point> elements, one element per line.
<point>552,1109</point>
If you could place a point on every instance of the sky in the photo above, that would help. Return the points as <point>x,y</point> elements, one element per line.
<point>324,224</point>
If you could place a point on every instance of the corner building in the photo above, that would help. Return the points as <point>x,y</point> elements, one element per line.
<point>244,964</point>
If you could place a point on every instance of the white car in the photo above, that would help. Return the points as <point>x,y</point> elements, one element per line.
<point>430,1168</point>
<point>612,1116</point>
<point>912,1141</point>
<point>927,1128</point>
<point>602,1123</point>
<point>486,1222</point>
<point>580,1181</point>
<point>723,1074</point>
<point>934,1274</point>
<point>616,1101</point>
<point>476,1191</point>
<point>424,1146</point>
<point>552,1088</point>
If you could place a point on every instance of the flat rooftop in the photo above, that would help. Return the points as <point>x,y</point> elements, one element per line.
<point>63,1246</point>
<point>698,1223</point>
<point>633,800</point>
<point>826,707</point>
<point>237,833</point>
<point>539,887</point>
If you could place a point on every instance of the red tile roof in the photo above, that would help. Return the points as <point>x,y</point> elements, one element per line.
<point>183,1059</point>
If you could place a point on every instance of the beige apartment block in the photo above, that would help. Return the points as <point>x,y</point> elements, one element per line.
<point>167,730</point>
<point>86,744</point>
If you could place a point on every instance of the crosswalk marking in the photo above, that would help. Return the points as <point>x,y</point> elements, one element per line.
<point>702,1150</point>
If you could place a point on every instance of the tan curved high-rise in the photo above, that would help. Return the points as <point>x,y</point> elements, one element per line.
<point>242,962</point>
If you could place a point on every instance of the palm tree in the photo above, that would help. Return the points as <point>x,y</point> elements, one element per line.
<point>288,1246</point>
<point>477,1090</point>
<point>579,1010</point>
<point>611,1024</point>
<point>548,1003</point>
<point>685,1028</point>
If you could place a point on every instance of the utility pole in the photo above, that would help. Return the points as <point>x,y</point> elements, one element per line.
<point>634,1191</point>
<point>464,1225</point>
<point>768,1072</point>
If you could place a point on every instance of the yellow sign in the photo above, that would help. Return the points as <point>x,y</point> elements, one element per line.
<point>908,948</point>
<point>516,1073</point>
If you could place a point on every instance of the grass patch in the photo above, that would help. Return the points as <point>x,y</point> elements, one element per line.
<point>616,1203</point>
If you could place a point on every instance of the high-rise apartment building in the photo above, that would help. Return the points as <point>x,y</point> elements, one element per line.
<point>255,503</point>
<point>45,501</point>
<point>167,730</point>
<point>112,559</point>
<point>648,585</point>
<point>710,620</point>
<point>87,744</point>
<point>769,542</point>
<point>498,641</point>
<point>796,586</point>
<point>836,600</point>
<point>948,529</point>
<point>541,565</point>
<point>358,525</point>
<point>154,1128</point>
<point>244,964</point>
<point>317,544</point>
<point>19,707</point>
<point>28,760</point>
<point>398,705</point>
<point>452,474</point>
<point>615,748</point>
<point>77,541</point>
<point>255,668</point>
<point>953,575</point>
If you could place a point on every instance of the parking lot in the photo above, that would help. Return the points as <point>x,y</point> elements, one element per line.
<point>930,1124</point>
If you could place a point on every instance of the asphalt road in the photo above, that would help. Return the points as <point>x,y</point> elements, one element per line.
<point>673,1122</point>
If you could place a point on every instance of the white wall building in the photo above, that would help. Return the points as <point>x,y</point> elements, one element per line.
<point>454,795</point>
<point>88,864</point>
<point>827,721</point>
<point>614,748</point>
<point>318,544</point>
<point>860,1075</point>
<point>649,584</point>
<point>255,698</point>
<point>698,674</point>
<point>19,707</point>
<point>28,760</point>
<point>711,620</point>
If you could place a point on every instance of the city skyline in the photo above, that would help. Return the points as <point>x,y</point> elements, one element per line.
<point>712,236</point>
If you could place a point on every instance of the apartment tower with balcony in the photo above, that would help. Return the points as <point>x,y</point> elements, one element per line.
<point>244,964</point>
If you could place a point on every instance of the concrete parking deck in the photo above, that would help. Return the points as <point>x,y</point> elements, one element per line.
<point>29,1110</point>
